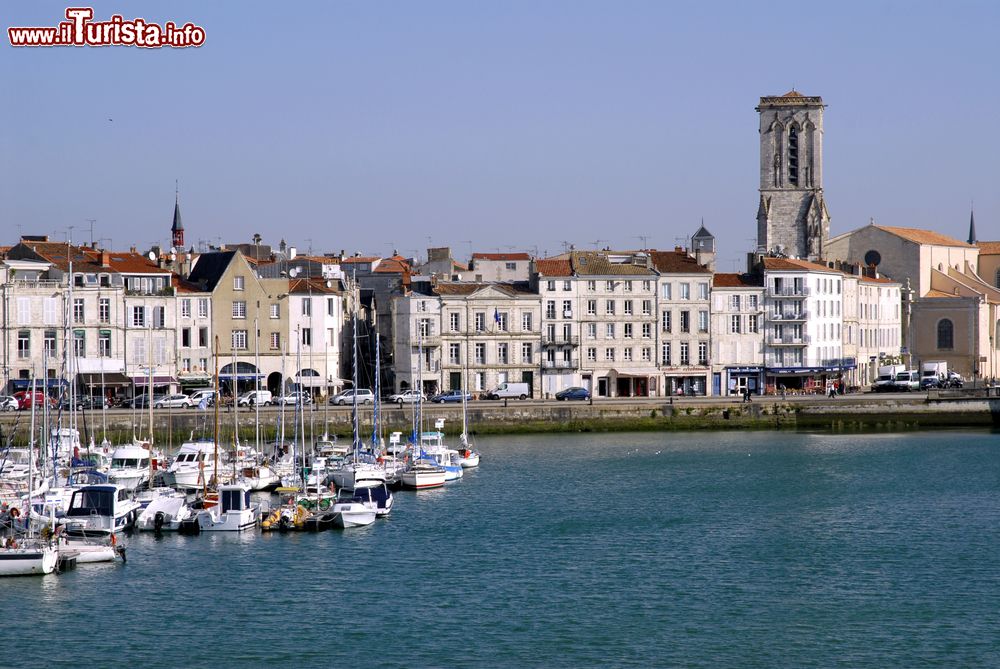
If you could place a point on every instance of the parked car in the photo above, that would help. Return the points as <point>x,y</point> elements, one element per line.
<point>573,393</point>
<point>407,397</point>
<point>255,397</point>
<point>84,402</point>
<point>509,390</point>
<point>365,396</point>
<point>450,396</point>
<point>9,403</point>
<point>24,399</point>
<point>198,395</point>
<point>142,401</point>
<point>296,397</point>
<point>175,401</point>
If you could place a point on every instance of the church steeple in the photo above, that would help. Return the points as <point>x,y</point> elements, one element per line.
<point>177,229</point>
<point>972,227</point>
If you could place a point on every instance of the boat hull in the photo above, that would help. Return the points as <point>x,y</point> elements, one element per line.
<point>28,561</point>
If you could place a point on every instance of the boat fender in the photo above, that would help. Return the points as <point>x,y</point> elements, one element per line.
<point>114,540</point>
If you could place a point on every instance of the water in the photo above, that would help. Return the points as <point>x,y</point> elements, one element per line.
<point>696,550</point>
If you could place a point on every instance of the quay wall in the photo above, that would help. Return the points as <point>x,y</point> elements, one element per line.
<point>848,413</point>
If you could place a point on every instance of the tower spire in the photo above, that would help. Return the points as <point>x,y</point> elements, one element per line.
<point>177,229</point>
<point>972,226</point>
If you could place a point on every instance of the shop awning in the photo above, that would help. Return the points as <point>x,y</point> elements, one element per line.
<point>25,384</point>
<point>157,380</point>
<point>744,370</point>
<point>240,377</point>
<point>109,379</point>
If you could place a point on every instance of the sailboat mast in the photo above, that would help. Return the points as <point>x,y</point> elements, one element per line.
<point>301,407</point>
<point>378,405</point>
<point>215,427</point>
<point>149,398</point>
<point>256,400</point>
<point>31,452</point>
<point>354,373</point>
<point>236,413</point>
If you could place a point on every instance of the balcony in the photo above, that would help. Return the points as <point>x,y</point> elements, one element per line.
<point>560,364</point>
<point>427,341</point>
<point>787,340</point>
<point>560,340</point>
<point>567,313</point>
<point>788,291</point>
<point>790,316</point>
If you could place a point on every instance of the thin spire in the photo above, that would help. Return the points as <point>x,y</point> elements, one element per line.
<point>972,226</point>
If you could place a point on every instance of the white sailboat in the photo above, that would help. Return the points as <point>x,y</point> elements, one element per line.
<point>421,474</point>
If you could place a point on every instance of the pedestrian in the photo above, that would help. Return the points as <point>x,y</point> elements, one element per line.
<point>782,388</point>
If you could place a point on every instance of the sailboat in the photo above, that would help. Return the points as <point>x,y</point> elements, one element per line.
<point>467,457</point>
<point>421,474</point>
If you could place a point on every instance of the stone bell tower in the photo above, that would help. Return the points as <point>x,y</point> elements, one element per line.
<point>792,218</point>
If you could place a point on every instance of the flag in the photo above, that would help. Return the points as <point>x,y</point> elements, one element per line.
<point>496,316</point>
<point>203,405</point>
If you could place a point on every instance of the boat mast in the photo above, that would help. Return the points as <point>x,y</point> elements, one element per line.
<point>215,427</point>
<point>301,407</point>
<point>236,413</point>
<point>354,373</point>
<point>149,398</point>
<point>256,399</point>
<point>31,453</point>
<point>376,410</point>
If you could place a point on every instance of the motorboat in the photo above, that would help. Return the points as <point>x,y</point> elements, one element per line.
<point>99,510</point>
<point>468,458</point>
<point>165,514</point>
<point>354,508</point>
<point>234,512</point>
<point>355,472</point>
<point>259,477</point>
<point>90,550</point>
<point>380,494</point>
<point>422,475</point>
<point>27,557</point>
<point>65,441</point>
<point>432,448</point>
<point>193,466</point>
<point>130,466</point>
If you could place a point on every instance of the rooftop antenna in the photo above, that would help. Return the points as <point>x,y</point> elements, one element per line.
<point>565,245</point>
<point>310,245</point>
<point>643,239</point>
<point>597,243</point>
<point>680,240</point>
<point>469,242</point>
<point>91,221</point>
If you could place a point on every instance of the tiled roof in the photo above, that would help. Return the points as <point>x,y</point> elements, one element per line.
<point>923,236</point>
<point>313,285</point>
<point>875,279</point>
<point>778,264</point>
<point>133,263</point>
<point>939,293</point>
<point>470,287</point>
<point>732,280</point>
<point>360,259</point>
<point>989,248</point>
<point>501,256</point>
<point>792,94</point>
<point>677,262</point>
<point>393,265</point>
<point>553,267</point>
<point>598,263</point>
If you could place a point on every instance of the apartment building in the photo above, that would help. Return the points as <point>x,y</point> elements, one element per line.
<point>737,353</point>
<point>315,329</point>
<point>561,308</point>
<point>682,316</point>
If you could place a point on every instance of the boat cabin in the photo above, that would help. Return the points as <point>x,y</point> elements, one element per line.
<point>234,498</point>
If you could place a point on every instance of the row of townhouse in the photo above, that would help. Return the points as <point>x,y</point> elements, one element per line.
<point>112,321</point>
<point>648,323</point>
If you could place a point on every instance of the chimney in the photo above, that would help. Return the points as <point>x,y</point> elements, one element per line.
<point>132,249</point>
<point>105,258</point>
<point>292,252</point>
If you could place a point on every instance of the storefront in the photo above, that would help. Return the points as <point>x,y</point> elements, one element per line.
<point>807,380</point>
<point>740,379</point>
<point>684,386</point>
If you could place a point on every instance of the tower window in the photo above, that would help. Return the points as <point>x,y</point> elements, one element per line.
<point>945,335</point>
<point>793,156</point>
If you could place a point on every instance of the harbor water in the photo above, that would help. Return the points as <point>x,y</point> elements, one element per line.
<point>748,549</point>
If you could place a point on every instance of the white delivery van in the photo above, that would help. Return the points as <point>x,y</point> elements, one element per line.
<point>507,390</point>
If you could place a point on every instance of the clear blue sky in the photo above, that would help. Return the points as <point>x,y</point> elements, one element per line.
<point>373,125</point>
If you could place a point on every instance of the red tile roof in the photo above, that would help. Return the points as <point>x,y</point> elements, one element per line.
<point>989,248</point>
<point>553,267</point>
<point>313,285</point>
<point>501,256</point>
<point>676,262</point>
<point>732,280</point>
<point>923,236</point>
<point>393,265</point>
<point>777,264</point>
<point>361,259</point>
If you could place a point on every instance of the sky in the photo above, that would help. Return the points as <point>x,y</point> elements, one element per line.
<point>518,125</point>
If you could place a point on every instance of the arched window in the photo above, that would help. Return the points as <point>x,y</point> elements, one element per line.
<point>945,335</point>
<point>793,156</point>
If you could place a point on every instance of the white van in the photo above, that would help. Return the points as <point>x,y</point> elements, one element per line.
<point>506,390</point>
<point>253,397</point>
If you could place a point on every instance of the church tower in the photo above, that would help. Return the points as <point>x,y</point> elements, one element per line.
<point>792,218</point>
<point>177,229</point>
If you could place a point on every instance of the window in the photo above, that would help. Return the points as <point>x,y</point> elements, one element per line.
<point>330,306</point>
<point>307,307</point>
<point>77,309</point>
<point>703,353</point>
<point>647,307</point>
<point>591,330</point>
<point>592,286</point>
<point>23,344</point>
<point>104,343</point>
<point>455,322</point>
<point>238,283</point>
<point>945,334</point>
<point>793,156</point>
<point>609,286</point>
<point>627,308</point>
<point>550,308</point>
<point>665,291</point>
<point>138,317</point>
<point>501,319</point>
<point>647,331</point>
<point>734,324</point>
<point>50,311</point>
<point>685,321</point>
<point>480,321</point>
<point>751,302</point>
<point>567,286</point>
<point>186,365</point>
<point>424,325</point>
<point>186,338</point>
<point>627,354</point>
<point>666,319</point>
<point>50,343</point>
<point>609,354</point>
<point>455,353</point>
<point>512,266</point>
<point>734,302</point>
<point>685,354</point>
<point>159,351</point>
<point>526,352</point>
<point>628,286</point>
<point>702,321</point>
<point>526,321</point>
<point>609,307</point>
<point>186,308</point>
<point>239,340</point>
<point>104,310</point>
<point>646,286</point>
<point>275,340</point>
<point>422,305</point>
<point>609,332</point>
<point>567,309</point>
<point>702,291</point>
<point>685,291</point>
<point>591,355</point>
<point>665,352</point>
<point>203,362</point>
<point>591,307</point>
<point>239,309</point>
<point>550,285</point>
<point>647,354</point>
<point>480,353</point>
<point>203,307</point>
<point>203,337</point>
<point>159,316</point>
<point>139,354</point>
<point>307,336</point>
<point>79,344</point>
<point>628,331</point>
<point>275,310</point>
<point>502,353</point>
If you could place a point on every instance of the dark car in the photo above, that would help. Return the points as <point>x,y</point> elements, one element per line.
<point>84,402</point>
<point>450,396</point>
<point>574,393</point>
<point>142,401</point>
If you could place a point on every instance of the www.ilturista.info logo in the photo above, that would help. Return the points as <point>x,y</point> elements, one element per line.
<point>80,30</point>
